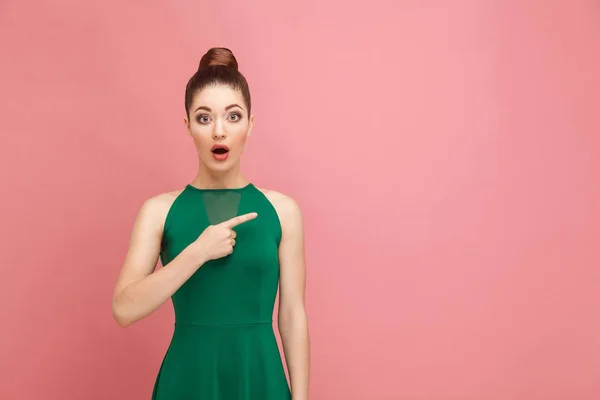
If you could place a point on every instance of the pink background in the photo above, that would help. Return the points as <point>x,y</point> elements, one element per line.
<point>445,155</point>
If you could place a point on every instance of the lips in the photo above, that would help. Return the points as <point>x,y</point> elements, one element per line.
<point>219,149</point>
<point>220,152</point>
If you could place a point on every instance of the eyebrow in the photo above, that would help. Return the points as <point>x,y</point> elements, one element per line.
<point>209,110</point>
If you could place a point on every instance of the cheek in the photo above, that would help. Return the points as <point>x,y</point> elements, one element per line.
<point>239,137</point>
<point>201,139</point>
<point>240,142</point>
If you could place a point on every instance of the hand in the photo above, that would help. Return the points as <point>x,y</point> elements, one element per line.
<point>218,240</point>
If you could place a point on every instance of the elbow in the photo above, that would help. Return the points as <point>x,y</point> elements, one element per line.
<point>123,322</point>
<point>120,315</point>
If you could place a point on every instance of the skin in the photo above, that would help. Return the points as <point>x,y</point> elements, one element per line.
<point>140,290</point>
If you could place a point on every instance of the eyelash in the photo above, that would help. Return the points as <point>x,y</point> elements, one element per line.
<point>205,115</point>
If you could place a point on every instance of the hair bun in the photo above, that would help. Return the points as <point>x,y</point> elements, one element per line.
<point>218,56</point>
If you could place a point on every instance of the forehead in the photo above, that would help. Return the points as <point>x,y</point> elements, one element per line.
<point>217,97</point>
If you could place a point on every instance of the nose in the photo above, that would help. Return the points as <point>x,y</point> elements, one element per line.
<point>219,131</point>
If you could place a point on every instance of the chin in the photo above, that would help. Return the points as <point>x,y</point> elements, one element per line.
<point>220,165</point>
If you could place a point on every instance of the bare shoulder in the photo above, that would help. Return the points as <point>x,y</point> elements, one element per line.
<point>157,207</point>
<point>286,207</point>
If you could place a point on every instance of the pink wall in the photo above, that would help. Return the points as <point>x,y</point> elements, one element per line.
<point>445,154</point>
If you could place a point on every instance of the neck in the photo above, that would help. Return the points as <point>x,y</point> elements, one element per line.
<point>232,178</point>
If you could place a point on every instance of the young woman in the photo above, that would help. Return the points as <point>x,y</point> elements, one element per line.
<point>225,246</point>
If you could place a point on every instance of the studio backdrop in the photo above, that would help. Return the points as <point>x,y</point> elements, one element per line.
<point>445,156</point>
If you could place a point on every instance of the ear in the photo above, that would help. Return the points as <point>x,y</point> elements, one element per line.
<point>250,124</point>
<point>187,124</point>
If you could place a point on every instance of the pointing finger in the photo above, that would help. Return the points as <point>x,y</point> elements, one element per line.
<point>240,219</point>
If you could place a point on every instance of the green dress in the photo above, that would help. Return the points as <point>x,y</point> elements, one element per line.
<point>223,345</point>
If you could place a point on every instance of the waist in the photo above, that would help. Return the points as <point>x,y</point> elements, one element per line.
<point>221,325</point>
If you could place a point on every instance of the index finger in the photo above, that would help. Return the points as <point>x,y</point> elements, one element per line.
<point>240,219</point>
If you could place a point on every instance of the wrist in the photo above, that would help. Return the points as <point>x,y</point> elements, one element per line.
<point>197,253</point>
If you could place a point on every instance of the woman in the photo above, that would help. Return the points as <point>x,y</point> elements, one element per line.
<point>225,246</point>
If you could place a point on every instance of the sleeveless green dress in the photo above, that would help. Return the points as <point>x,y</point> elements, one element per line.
<point>223,345</point>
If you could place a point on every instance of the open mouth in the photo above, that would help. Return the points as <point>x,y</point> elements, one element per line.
<point>220,152</point>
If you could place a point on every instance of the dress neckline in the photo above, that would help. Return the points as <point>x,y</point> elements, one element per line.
<point>238,189</point>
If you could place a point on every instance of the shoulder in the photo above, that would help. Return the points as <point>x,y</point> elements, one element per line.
<point>286,207</point>
<point>155,209</point>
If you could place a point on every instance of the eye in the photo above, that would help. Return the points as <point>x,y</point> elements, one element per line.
<point>236,116</point>
<point>203,119</point>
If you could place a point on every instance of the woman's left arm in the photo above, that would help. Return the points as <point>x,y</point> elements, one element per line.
<point>292,319</point>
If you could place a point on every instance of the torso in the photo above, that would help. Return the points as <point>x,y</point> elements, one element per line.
<point>223,345</point>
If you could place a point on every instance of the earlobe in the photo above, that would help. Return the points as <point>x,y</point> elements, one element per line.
<point>251,125</point>
<point>187,125</point>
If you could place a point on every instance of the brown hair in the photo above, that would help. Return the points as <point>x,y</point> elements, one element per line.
<point>217,67</point>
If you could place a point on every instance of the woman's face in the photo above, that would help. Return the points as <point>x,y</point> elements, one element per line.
<point>218,116</point>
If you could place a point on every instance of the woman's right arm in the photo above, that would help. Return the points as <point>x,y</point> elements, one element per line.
<point>139,289</point>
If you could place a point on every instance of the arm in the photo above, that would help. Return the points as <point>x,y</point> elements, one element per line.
<point>292,319</point>
<point>139,291</point>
